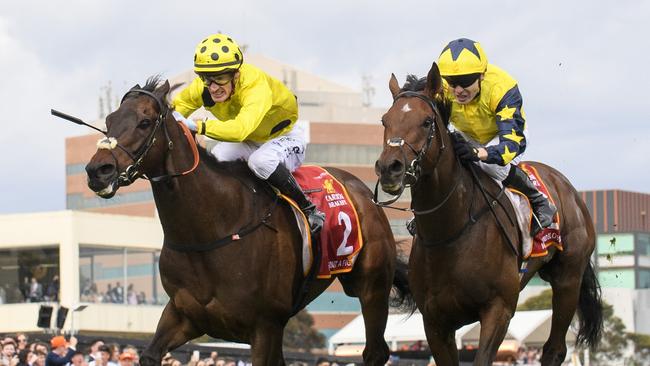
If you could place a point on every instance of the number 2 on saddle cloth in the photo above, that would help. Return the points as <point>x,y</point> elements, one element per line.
<point>340,239</point>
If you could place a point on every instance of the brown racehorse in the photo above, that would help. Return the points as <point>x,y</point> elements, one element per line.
<point>462,268</point>
<point>243,288</point>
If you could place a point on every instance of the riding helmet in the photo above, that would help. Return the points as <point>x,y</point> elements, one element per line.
<point>461,57</point>
<point>217,53</point>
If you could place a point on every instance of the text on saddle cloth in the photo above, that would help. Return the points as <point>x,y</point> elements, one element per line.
<point>340,239</point>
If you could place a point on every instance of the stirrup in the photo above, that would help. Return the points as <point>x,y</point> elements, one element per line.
<point>316,220</point>
<point>411,227</point>
<point>541,219</point>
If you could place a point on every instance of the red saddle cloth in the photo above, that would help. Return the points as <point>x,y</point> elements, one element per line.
<point>549,236</point>
<point>340,239</point>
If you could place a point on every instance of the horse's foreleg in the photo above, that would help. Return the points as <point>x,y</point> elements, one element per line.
<point>374,307</point>
<point>266,344</point>
<point>173,331</point>
<point>371,282</point>
<point>442,343</point>
<point>494,325</point>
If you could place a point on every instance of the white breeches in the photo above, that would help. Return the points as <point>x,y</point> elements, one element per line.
<point>264,157</point>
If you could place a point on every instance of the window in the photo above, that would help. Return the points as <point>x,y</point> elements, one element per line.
<point>643,243</point>
<point>644,278</point>
<point>119,276</point>
<point>619,278</point>
<point>29,275</point>
<point>618,244</point>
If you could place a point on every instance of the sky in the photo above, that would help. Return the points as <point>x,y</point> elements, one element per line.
<point>582,68</point>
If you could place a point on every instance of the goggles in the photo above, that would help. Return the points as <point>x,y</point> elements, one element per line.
<point>464,81</point>
<point>220,79</point>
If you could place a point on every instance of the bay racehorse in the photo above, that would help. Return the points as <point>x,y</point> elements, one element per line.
<point>464,268</point>
<point>231,261</point>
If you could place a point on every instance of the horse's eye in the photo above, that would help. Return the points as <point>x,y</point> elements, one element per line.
<point>145,123</point>
<point>427,122</point>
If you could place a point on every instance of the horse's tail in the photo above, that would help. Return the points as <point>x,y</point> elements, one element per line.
<point>402,297</point>
<point>590,309</point>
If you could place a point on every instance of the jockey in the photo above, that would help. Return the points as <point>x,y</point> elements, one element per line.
<point>487,114</point>
<point>255,118</point>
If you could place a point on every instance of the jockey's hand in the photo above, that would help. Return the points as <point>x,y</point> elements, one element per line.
<point>465,149</point>
<point>186,121</point>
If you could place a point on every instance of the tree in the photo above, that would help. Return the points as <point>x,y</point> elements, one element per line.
<point>300,333</point>
<point>615,339</point>
<point>641,348</point>
<point>542,301</point>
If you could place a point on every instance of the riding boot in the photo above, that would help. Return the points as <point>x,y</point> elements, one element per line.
<point>542,206</point>
<point>284,181</point>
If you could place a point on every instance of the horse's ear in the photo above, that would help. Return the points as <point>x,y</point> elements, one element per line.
<point>162,90</point>
<point>434,81</point>
<point>393,85</point>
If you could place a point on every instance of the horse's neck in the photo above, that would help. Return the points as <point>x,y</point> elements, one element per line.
<point>448,189</point>
<point>198,207</point>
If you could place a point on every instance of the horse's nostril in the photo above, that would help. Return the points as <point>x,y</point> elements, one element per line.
<point>106,170</point>
<point>396,167</point>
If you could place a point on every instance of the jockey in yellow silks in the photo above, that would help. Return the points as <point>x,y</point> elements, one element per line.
<point>490,124</point>
<point>255,115</point>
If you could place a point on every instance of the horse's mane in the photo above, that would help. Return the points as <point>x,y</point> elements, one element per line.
<point>417,84</point>
<point>150,85</point>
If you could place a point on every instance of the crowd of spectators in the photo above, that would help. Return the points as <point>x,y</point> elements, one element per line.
<point>114,294</point>
<point>17,350</point>
<point>33,290</point>
<point>30,290</point>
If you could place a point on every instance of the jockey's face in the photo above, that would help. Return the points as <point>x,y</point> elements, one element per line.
<point>220,93</point>
<point>466,94</point>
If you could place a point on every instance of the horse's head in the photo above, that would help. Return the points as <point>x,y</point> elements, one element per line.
<point>134,145</point>
<point>413,139</point>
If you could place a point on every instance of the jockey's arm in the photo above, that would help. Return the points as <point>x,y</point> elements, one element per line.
<point>189,99</point>
<point>256,100</point>
<point>510,122</point>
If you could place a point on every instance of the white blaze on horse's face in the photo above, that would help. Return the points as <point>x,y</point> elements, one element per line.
<point>406,108</point>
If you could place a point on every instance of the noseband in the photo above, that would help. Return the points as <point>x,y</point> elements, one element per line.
<point>130,174</point>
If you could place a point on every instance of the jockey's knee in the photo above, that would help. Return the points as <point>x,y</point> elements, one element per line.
<point>262,166</point>
<point>497,172</point>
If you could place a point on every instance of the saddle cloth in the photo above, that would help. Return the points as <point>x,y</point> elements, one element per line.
<point>545,238</point>
<point>340,239</point>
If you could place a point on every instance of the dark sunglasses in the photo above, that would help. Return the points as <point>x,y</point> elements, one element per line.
<point>464,81</point>
<point>221,79</point>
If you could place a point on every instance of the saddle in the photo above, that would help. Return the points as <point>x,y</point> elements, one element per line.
<point>537,246</point>
<point>340,239</point>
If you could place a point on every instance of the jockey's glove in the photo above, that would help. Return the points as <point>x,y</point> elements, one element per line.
<point>186,121</point>
<point>465,150</point>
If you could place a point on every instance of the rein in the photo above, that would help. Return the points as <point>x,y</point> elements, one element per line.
<point>414,170</point>
<point>131,173</point>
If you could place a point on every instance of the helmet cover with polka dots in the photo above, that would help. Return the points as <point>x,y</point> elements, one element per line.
<point>217,53</point>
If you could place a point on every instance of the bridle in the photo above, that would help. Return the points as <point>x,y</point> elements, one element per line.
<point>132,172</point>
<point>414,169</point>
<point>414,172</point>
